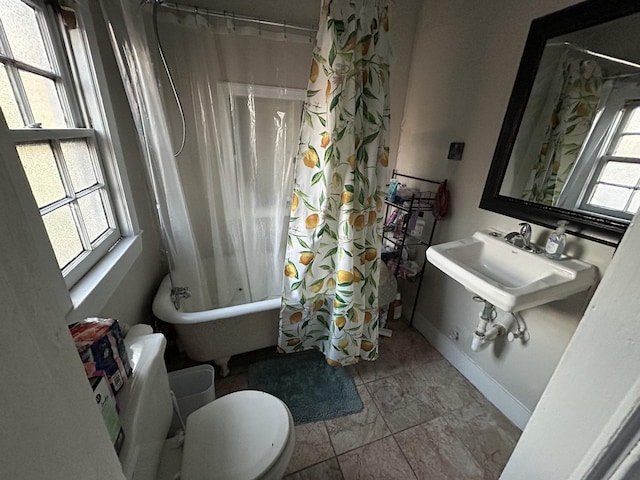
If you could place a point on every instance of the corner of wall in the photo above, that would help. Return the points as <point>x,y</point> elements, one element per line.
<point>510,406</point>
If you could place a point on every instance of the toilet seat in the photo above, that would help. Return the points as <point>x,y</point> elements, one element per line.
<point>239,436</point>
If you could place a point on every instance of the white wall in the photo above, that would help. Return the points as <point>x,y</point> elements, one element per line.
<point>465,59</point>
<point>404,18</point>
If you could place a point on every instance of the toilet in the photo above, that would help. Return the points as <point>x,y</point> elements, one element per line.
<point>243,435</point>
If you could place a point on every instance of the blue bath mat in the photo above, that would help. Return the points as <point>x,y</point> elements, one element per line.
<point>312,389</point>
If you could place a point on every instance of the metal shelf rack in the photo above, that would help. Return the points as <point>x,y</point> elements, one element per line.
<point>397,233</point>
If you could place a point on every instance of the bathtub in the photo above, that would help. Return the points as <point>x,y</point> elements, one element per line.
<point>216,335</point>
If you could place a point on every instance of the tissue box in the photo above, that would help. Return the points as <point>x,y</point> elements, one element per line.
<point>101,347</point>
<point>107,405</point>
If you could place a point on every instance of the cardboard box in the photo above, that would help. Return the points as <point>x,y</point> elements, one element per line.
<point>107,405</point>
<point>101,347</point>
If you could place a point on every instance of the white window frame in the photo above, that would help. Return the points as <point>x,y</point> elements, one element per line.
<point>606,156</point>
<point>71,97</point>
<point>586,171</point>
<point>89,292</point>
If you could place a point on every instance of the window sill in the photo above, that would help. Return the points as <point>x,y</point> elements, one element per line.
<point>92,292</point>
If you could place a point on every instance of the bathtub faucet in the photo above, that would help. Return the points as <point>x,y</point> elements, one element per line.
<point>177,293</point>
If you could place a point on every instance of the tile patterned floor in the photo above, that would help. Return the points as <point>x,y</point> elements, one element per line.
<point>421,420</point>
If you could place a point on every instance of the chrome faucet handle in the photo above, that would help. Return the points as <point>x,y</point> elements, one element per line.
<point>525,231</point>
<point>522,239</point>
<point>515,239</point>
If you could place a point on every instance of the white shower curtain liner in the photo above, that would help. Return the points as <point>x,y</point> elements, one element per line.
<point>127,26</point>
<point>223,200</point>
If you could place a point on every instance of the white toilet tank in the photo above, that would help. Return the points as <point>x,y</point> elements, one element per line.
<point>145,408</point>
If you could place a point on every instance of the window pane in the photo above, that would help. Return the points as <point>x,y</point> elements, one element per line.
<point>635,203</point>
<point>607,196</point>
<point>628,146</point>
<point>621,173</point>
<point>42,172</point>
<point>79,163</point>
<point>8,101</point>
<point>44,100</point>
<point>633,125</point>
<point>95,220</point>
<point>20,24</point>
<point>63,235</point>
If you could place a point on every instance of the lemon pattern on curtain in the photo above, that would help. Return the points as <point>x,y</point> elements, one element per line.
<point>571,120</point>
<point>330,298</point>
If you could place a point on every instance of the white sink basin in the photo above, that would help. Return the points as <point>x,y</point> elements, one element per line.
<point>509,278</point>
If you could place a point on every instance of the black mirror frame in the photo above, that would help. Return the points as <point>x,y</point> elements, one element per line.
<point>576,17</point>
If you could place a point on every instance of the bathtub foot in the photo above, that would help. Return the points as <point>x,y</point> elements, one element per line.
<point>223,363</point>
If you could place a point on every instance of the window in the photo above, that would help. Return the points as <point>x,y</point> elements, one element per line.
<point>49,112</point>
<point>614,188</point>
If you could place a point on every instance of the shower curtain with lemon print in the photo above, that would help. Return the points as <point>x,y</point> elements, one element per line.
<point>574,111</point>
<point>333,248</point>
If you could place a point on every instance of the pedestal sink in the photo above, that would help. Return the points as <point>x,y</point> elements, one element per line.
<point>506,276</point>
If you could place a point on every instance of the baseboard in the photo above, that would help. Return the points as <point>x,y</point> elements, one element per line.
<point>510,406</point>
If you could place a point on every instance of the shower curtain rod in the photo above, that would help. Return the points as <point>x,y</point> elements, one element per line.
<point>592,53</point>
<point>233,16</point>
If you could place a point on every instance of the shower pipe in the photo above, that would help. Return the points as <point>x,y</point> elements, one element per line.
<point>177,293</point>
<point>156,3</point>
<point>211,13</point>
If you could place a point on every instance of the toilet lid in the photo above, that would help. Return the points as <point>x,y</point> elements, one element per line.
<point>238,436</point>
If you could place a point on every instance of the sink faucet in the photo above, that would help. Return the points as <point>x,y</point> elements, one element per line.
<point>522,239</point>
<point>525,231</point>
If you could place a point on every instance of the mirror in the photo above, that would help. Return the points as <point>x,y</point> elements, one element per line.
<point>569,147</point>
